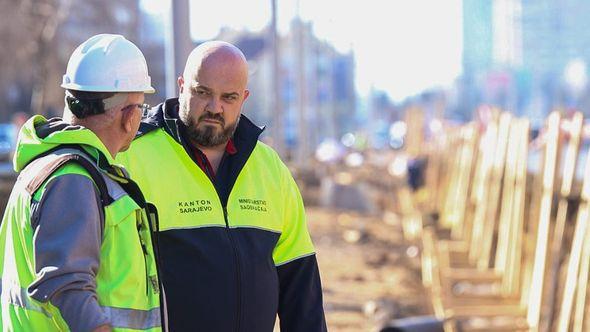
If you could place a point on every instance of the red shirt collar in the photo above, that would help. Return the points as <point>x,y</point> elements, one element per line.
<point>230,148</point>
<point>204,163</point>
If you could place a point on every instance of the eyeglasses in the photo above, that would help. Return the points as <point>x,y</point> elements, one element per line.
<point>144,108</point>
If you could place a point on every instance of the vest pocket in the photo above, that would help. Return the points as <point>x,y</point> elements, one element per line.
<point>124,268</point>
<point>120,210</point>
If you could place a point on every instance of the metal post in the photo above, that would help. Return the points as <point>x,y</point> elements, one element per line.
<point>178,43</point>
<point>278,137</point>
<point>302,140</point>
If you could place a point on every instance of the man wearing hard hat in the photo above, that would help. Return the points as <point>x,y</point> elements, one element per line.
<point>76,244</point>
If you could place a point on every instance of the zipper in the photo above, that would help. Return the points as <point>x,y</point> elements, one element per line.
<point>208,172</point>
<point>238,272</point>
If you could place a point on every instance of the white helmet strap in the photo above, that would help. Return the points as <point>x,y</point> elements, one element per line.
<point>85,107</point>
<point>114,101</point>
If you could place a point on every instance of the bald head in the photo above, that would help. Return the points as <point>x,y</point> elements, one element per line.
<point>218,54</point>
<point>212,89</point>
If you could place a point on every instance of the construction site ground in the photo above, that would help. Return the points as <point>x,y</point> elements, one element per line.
<point>370,274</point>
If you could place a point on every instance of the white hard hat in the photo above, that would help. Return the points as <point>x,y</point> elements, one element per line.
<point>107,63</point>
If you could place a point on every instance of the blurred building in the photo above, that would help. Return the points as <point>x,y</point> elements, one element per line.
<point>527,56</point>
<point>492,53</point>
<point>382,112</point>
<point>319,90</point>
<point>477,53</point>
<point>556,35</point>
<point>152,41</point>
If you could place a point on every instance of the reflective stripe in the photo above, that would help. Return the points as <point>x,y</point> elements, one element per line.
<point>294,259</point>
<point>12,293</point>
<point>133,318</point>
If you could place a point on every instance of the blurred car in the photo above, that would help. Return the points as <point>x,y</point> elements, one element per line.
<point>7,141</point>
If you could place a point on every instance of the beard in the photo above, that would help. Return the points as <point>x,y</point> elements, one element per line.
<point>206,135</point>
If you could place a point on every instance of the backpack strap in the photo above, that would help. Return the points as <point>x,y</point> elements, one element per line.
<point>56,160</point>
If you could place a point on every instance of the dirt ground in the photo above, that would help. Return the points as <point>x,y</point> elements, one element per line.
<point>369,274</point>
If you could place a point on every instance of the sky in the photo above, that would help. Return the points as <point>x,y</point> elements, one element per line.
<point>401,47</point>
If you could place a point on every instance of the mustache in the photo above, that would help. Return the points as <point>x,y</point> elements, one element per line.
<point>211,116</point>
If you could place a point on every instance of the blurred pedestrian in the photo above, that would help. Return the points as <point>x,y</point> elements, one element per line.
<point>77,252</point>
<point>233,236</point>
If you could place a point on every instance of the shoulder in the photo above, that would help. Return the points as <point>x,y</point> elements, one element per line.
<point>69,178</point>
<point>154,134</point>
<point>268,155</point>
<point>146,147</point>
<point>265,149</point>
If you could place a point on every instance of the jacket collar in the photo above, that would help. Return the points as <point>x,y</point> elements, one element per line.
<point>39,136</point>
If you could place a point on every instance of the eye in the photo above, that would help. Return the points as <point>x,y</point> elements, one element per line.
<point>201,92</point>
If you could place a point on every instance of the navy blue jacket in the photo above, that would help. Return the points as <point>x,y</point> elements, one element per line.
<point>223,278</point>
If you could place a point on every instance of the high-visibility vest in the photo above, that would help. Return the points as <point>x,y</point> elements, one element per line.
<point>127,280</point>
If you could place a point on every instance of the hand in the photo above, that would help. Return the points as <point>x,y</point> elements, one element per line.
<point>103,328</point>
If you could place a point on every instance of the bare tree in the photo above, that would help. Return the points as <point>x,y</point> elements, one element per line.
<point>28,36</point>
<point>37,38</point>
<point>48,17</point>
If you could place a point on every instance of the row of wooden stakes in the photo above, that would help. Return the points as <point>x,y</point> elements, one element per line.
<point>503,224</point>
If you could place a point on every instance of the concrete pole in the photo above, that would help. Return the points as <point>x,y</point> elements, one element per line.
<point>277,105</point>
<point>303,139</point>
<point>178,43</point>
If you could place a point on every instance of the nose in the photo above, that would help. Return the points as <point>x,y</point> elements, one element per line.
<point>214,106</point>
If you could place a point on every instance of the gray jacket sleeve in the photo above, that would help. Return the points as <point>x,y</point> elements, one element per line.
<point>68,224</point>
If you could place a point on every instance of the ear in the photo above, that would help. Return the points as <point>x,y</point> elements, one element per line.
<point>180,84</point>
<point>127,120</point>
<point>246,94</point>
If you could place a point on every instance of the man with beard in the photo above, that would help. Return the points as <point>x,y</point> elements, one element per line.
<point>233,238</point>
